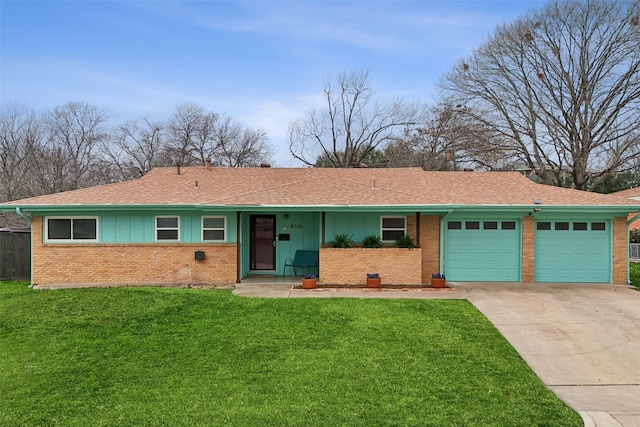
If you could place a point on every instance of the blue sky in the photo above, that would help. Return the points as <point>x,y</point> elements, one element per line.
<point>261,62</point>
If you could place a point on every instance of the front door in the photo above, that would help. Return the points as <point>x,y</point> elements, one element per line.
<point>263,242</point>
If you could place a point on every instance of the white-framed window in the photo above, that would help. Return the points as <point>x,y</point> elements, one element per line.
<point>167,228</point>
<point>71,229</point>
<point>214,228</point>
<point>392,227</point>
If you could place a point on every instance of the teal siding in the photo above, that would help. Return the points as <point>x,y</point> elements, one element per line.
<point>483,255</point>
<point>357,225</point>
<point>573,256</point>
<point>140,228</point>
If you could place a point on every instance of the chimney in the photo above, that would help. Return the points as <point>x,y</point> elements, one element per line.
<point>178,166</point>
<point>207,163</point>
<point>265,165</point>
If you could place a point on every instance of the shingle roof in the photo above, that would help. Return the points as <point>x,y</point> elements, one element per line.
<point>323,186</point>
<point>631,193</point>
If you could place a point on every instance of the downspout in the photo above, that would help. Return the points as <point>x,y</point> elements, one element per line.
<point>28,219</point>
<point>441,260</point>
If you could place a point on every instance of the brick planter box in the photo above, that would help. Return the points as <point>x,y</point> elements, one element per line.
<point>396,266</point>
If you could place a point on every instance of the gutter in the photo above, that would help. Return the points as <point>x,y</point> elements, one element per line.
<point>629,221</point>
<point>26,218</point>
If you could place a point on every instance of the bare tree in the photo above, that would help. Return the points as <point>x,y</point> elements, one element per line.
<point>20,138</point>
<point>189,127</point>
<point>559,89</point>
<point>67,160</point>
<point>441,142</point>
<point>240,147</point>
<point>135,148</point>
<point>195,135</point>
<point>352,125</point>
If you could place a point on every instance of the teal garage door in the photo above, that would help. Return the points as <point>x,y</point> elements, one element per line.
<point>482,250</point>
<point>573,251</point>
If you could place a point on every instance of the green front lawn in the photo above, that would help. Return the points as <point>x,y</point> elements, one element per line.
<point>155,356</point>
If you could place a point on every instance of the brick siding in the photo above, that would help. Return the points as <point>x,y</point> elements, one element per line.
<point>528,249</point>
<point>429,242</point>
<point>620,251</point>
<point>131,264</point>
<point>396,266</point>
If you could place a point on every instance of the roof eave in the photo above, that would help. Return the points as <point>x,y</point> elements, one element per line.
<point>423,208</point>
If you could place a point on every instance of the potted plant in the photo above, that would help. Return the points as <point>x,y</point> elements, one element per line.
<point>309,281</point>
<point>372,241</point>
<point>438,280</point>
<point>373,280</point>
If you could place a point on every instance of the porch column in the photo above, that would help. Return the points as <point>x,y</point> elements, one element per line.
<point>418,229</point>
<point>323,225</point>
<point>238,251</point>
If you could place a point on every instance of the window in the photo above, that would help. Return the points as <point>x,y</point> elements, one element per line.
<point>214,228</point>
<point>454,225</point>
<point>509,225</point>
<point>167,228</point>
<point>543,226</point>
<point>71,229</point>
<point>490,225</point>
<point>392,227</point>
<point>561,226</point>
<point>598,226</point>
<point>472,225</point>
<point>579,226</point>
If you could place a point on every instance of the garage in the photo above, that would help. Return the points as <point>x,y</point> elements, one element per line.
<point>573,251</point>
<point>483,250</point>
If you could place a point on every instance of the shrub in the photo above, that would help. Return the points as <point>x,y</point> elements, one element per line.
<point>405,242</point>
<point>372,241</point>
<point>342,240</point>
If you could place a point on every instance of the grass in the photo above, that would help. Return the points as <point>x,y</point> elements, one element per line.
<point>155,356</point>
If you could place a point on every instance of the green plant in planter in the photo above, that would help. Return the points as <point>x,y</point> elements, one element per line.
<point>342,240</point>
<point>405,241</point>
<point>372,241</point>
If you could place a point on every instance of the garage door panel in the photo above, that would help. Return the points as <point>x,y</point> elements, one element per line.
<point>573,256</point>
<point>482,254</point>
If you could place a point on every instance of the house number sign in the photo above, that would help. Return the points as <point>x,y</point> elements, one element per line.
<point>296,225</point>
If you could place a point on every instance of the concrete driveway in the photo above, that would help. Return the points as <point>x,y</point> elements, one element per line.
<point>583,341</point>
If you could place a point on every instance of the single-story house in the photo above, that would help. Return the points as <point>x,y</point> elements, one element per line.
<point>216,226</point>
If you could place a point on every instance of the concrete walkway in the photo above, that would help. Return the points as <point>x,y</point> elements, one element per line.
<point>583,341</point>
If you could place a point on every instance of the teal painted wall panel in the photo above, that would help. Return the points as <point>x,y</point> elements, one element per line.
<point>573,256</point>
<point>107,225</point>
<point>140,227</point>
<point>483,255</point>
<point>122,229</point>
<point>357,225</point>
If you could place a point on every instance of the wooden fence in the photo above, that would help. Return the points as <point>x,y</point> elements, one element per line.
<point>15,254</point>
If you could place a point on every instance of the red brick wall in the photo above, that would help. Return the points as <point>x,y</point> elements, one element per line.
<point>396,266</point>
<point>620,251</point>
<point>130,264</point>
